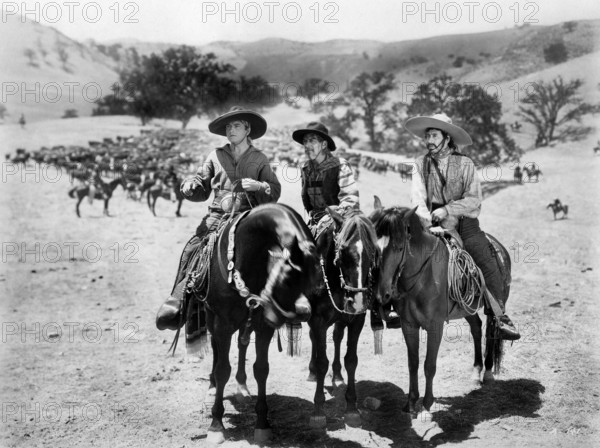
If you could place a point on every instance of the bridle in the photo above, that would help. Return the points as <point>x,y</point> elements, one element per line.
<point>367,291</point>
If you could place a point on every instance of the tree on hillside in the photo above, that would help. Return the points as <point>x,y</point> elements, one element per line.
<point>179,83</point>
<point>472,108</point>
<point>551,106</point>
<point>341,127</point>
<point>367,96</point>
<point>556,53</point>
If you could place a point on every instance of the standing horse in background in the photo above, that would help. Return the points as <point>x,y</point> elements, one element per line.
<point>558,207</point>
<point>170,190</point>
<point>532,172</point>
<point>103,193</point>
<point>414,277</point>
<point>349,263</point>
<point>263,264</point>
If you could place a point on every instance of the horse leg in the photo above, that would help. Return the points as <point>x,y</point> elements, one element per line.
<point>411,336</point>
<point>318,338</point>
<point>77,205</point>
<point>312,365</point>
<point>179,208</point>
<point>240,377</point>
<point>336,365</point>
<point>475,325</point>
<point>352,417</point>
<point>106,207</point>
<point>262,431</point>
<point>154,198</point>
<point>434,339</point>
<point>216,431</point>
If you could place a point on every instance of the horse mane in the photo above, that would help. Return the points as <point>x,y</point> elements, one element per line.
<point>357,222</point>
<point>389,222</point>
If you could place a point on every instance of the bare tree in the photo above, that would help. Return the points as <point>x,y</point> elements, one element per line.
<point>551,106</point>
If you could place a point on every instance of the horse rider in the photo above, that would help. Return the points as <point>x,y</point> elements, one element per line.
<point>327,180</point>
<point>447,193</point>
<point>94,182</point>
<point>240,177</point>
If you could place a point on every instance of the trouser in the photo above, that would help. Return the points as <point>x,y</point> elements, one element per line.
<point>210,223</point>
<point>484,255</point>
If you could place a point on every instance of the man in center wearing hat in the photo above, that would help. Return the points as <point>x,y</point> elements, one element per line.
<point>240,177</point>
<point>447,193</point>
<point>327,180</point>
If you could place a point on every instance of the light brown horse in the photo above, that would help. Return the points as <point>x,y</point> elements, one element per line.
<point>414,277</point>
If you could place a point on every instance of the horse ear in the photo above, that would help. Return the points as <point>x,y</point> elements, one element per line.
<point>339,220</point>
<point>413,220</point>
<point>377,203</point>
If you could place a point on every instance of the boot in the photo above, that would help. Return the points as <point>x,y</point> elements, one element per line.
<point>508,331</point>
<point>168,316</point>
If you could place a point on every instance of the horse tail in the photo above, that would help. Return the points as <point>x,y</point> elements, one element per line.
<point>497,344</point>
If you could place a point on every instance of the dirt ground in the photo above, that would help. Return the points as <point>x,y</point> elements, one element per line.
<point>84,365</point>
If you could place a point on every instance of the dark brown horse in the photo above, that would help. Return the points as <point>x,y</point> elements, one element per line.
<point>349,262</point>
<point>171,190</point>
<point>558,207</point>
<point>262,266</point>
<point>103,193</point>
<point>414,277</point>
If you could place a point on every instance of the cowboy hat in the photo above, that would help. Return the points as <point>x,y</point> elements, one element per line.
<point>418,125</point>
<point>258,125</point>
<point>314,127</point>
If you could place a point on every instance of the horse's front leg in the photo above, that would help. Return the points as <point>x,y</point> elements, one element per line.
<point>106,207</point>
<point>262,431</point>
<point>77,206</point>
<point>434,339</point>
<point>475,325</point>
<point>221,372</point>
<point>352,417</point>
<point>240,377</point>
<point>177,213</point>
<point>336,365</point>
<point>312,364</point>
<point>318,331</point>
<point>411,336</point>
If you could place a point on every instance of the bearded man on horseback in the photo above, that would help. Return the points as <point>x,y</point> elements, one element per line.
<point>240,177</point>
<point>447,193</point>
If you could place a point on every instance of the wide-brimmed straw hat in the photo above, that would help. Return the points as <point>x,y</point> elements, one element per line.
<point>417,126</point>
<point>314,127</point>
<point>258,125</point>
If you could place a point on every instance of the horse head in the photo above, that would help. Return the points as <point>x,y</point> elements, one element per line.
<point>393,239</point>
<point>356,258</point>
<point>279,260</point>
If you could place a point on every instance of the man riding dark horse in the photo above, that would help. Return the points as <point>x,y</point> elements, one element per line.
<point>447,192</point>
<point>240,177</point>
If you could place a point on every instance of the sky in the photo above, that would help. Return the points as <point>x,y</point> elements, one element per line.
<point>200,22</point>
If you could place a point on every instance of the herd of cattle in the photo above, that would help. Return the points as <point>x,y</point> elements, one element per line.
<point>155,162</point>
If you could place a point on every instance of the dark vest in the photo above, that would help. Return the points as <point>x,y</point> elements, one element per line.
<point>320,187</point>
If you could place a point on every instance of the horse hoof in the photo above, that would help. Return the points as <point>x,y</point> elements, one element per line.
<point>317,421</point>
<point>215,437</point>
<point>242,390</point>
<point>263,435</point>
<point>312,377</point>
<point>476,377</point>
<point>337,382</point>
<point>488,377</point>
<point>433,430</point>
<point>352,419</point>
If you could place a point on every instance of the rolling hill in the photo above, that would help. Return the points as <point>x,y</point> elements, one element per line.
<point>47,72</point>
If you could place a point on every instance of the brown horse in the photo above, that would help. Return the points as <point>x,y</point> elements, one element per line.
<point>171,190</point>
<point>558,207</point>
<point>414,277</point>
<point>349,262</point>
<point>103,193</point>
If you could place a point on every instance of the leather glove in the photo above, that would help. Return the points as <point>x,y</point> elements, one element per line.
<point>251,184</point>
<point>439,214</point>
<point>188,186</point>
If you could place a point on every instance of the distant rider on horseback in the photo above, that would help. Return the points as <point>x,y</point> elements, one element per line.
<point>447,192</point>
<point>240,177</point>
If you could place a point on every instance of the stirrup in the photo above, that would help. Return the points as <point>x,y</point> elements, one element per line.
<point>506,329</point>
